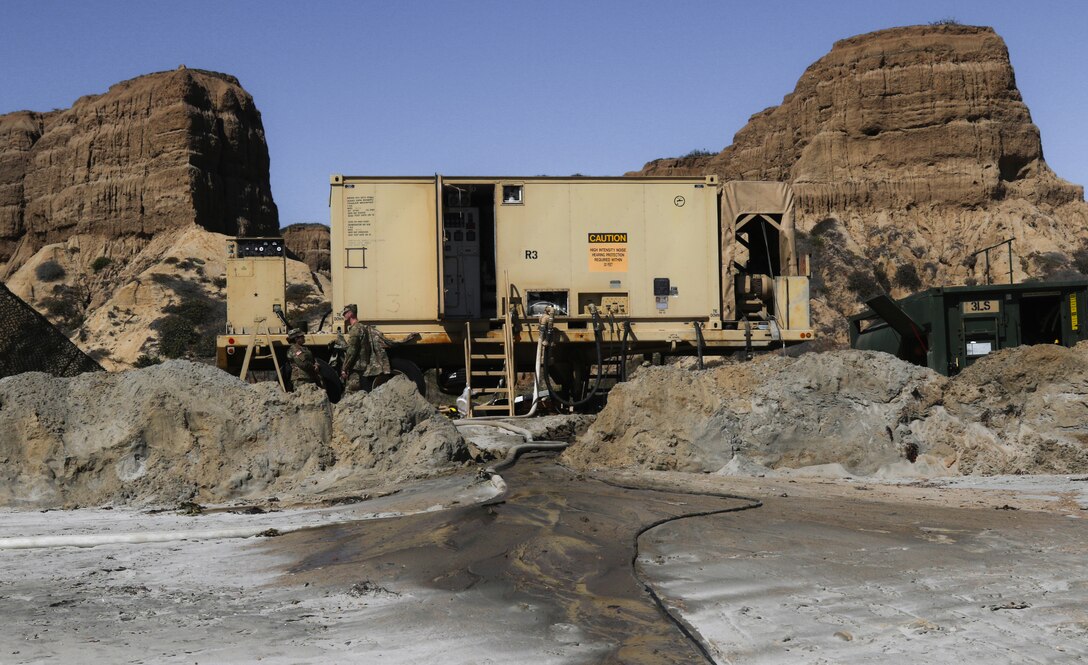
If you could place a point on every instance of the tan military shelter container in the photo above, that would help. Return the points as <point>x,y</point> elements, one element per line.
<point>667,264</point>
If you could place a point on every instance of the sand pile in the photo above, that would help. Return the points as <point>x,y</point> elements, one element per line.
<point>184,431</point>
<point>1019,410</point>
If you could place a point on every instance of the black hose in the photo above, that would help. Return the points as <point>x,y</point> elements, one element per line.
<point>699,344</point>
<point>774,314</point>
<point>598,331</point>
<point>683,626</point>
<point>623,350</point>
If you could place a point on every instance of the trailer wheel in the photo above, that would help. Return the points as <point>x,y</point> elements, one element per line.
<point>407,369</point>
<point>451,382</point>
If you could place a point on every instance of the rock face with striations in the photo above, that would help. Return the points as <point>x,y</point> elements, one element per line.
<point>908,149</point>
<point>162,151</point>
<point>310,243</point>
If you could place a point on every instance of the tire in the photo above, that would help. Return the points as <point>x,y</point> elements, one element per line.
<point>407,369</point>
<point>451,382</point>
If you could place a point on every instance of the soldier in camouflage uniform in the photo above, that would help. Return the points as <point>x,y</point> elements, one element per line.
<point>303,366</point>
<point>366,363</point>
<point>357,359</point>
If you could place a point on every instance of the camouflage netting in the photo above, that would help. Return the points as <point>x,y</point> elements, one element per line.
<point>29,343</point>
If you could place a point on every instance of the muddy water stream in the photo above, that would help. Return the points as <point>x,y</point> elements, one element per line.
<point>561,541</point>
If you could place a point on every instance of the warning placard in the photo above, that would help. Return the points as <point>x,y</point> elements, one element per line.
<point>608,252</point>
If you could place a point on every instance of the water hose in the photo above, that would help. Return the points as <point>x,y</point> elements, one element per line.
<point>689,631</point>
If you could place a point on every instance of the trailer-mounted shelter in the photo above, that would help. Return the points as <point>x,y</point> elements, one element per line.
<point>947,329</point>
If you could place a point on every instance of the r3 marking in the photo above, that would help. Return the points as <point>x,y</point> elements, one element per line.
<point>531,255</point>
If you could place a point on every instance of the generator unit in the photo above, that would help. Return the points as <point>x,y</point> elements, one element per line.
<point>670,265</point>
<point>947,329</point>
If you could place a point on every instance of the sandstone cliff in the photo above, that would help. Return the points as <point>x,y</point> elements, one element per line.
<point>110,210</point>
<point>162,151</point>
<point>908,149</point>
<point>309,243</point>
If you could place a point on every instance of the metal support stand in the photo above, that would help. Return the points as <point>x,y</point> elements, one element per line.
<point>254,346</point>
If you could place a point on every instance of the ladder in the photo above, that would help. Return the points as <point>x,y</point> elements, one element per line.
<point>489,366</point>
<point>252,352</point>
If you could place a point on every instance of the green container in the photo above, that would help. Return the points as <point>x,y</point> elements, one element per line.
<point>949,328</point>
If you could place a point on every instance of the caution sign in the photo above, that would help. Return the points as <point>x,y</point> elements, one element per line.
<point>607,252</point>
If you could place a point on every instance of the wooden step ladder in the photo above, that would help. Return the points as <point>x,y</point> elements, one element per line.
<point>252,352</point>
<point>483,373</point>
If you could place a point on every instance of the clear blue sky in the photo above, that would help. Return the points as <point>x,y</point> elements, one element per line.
<point>518,88</point>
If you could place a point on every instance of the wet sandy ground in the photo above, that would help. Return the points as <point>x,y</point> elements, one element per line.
<point>561,544</point>
<point>818,581</point>
<point>833,571</point>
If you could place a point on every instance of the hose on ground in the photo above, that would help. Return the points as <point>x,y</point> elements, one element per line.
<point>689,631</point>
<point>512,455</point>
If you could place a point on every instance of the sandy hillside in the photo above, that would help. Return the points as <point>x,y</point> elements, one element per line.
<point>117,313</point>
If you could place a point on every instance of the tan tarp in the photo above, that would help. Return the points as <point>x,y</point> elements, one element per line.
<point>741,198</point>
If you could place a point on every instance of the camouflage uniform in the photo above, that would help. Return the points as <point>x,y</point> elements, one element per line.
<point>303,365</point>
<point>357,357</point>
<point>366,359</point>
<point>379,359</point>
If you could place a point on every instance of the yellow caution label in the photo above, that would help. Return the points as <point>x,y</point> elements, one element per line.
<point>1073,311</point>
<point>607,237</point>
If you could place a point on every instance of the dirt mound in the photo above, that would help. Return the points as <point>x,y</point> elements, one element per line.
<point>1020,410</point>
<point>1017,411</point>
<point>816,409</point>
<point>183,431</point>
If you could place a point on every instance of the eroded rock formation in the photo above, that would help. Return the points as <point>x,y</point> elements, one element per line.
<point>908,149</point>
<point>309,243</point>
<point>162,151</point>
